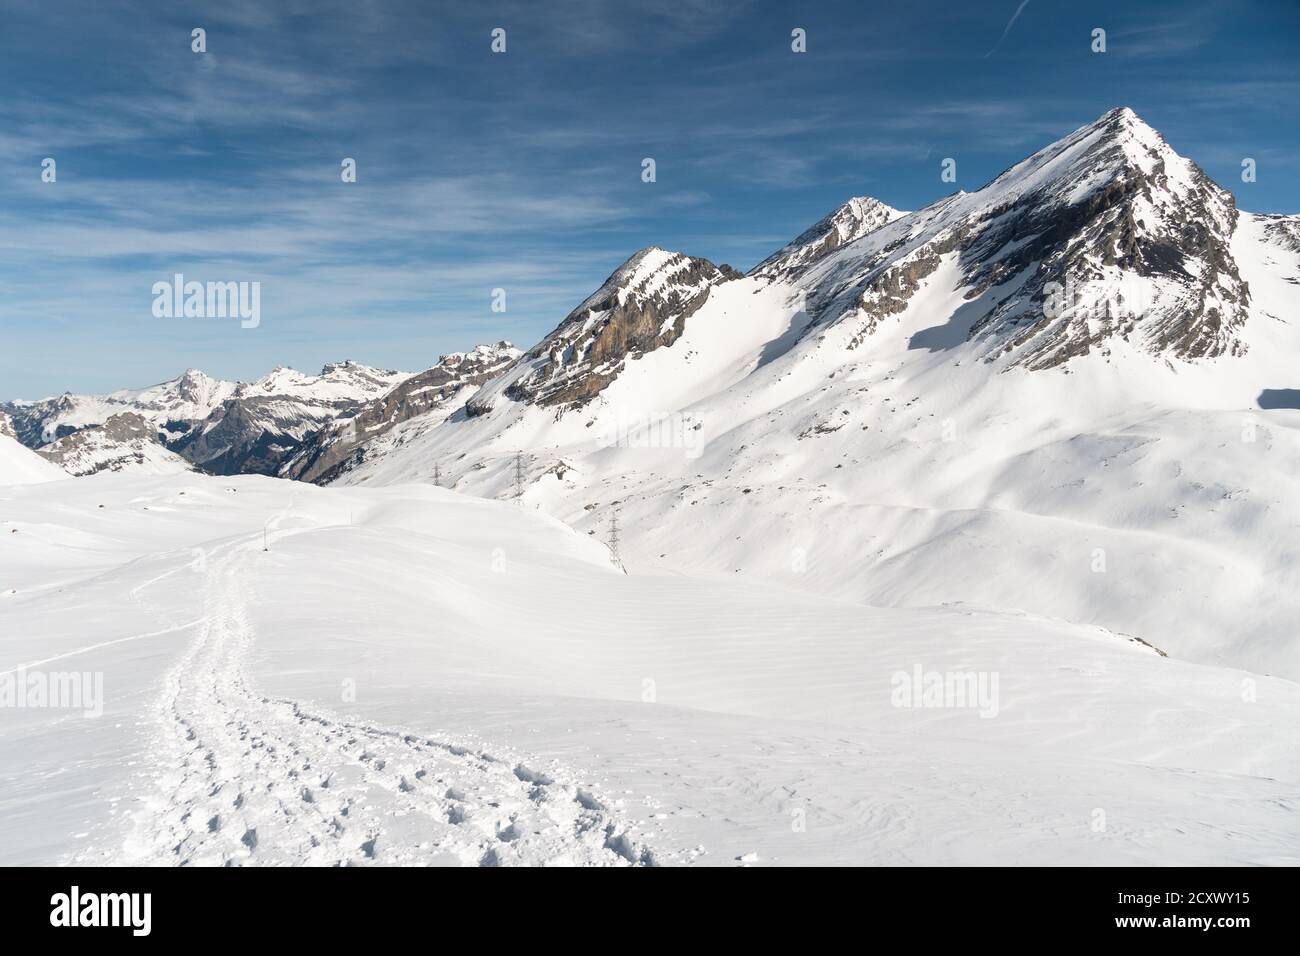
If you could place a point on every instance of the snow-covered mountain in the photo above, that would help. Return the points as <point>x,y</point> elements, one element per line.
<point>220,426</point>
<point>1107,234</point>
<point>1065,393</point>
<point>173,406</point>
<point>261,423</point>
<point>356,435</point>
<point>125,442</point>
<point>641,307</point>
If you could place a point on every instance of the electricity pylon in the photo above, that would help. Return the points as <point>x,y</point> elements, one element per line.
<point>614,555</point>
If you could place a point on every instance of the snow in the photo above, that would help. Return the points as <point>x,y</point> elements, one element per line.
<point>476,684</point>
<point>21,466</point>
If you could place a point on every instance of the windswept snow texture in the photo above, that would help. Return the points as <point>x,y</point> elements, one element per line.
<point>476,684</point>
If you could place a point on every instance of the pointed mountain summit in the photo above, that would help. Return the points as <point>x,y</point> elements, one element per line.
<point>642,306</point>
<point>1105,234</point>
<point>845,224</point>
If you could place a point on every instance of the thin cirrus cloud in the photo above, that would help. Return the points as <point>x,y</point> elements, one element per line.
<point>1007,29</point>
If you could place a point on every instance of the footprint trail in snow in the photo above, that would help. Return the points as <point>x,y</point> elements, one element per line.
<point>246,779</point>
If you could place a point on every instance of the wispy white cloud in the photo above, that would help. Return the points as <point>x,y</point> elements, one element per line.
<point>1007,29</point>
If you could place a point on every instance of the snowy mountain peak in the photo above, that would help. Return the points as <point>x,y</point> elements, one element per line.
<point>642,306</point>
<point>1105,235</point>
<point>1116,146</point>
<point>651,273</point>
<point>481,353</point>
<point>847,223</point>
<point>331,367</point>
<point>196,387</point>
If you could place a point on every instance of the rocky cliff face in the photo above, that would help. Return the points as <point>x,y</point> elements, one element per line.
<point>643,306</point>
<point>345,442</point>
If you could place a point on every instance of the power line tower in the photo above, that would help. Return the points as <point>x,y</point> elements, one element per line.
<point>614,555</point>
<point>437,475</point>
<point>519,477</point>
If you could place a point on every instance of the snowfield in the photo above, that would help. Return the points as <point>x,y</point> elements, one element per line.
<point>412,676</point>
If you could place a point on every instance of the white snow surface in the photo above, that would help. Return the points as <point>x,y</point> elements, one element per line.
<point>22,466</point>
<point>412,676</point>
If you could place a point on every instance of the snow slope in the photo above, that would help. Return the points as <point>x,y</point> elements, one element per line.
<point>21,466</point>
<point>477,684</point>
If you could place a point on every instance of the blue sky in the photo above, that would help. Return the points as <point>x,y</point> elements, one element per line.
<point>522,170</point>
